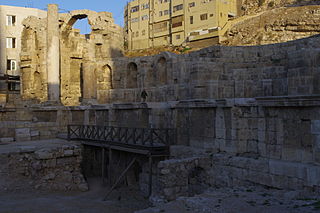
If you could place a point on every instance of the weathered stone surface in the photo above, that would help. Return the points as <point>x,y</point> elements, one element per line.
<point>33,168</point>
<point>274,27</point>
<point>85,66</point>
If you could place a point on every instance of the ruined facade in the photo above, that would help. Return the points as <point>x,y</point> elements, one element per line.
<point>56,55</point>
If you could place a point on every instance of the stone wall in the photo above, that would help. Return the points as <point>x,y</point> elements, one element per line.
<point>189,176</point>
<point>32,123</point>
<point>220,72</point>
<point>28,166</point>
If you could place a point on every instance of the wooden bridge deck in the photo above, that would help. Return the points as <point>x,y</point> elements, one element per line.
<point>136,140</point>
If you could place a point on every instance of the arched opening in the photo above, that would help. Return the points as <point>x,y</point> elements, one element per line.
<point>104,78</point>
<point>132,73</point>
<point>37,82</point>
<point>80,22</point>
<point>161,71</point>
<point>83,25</point>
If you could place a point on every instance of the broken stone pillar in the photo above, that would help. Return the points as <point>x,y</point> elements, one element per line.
<point>53,53</point>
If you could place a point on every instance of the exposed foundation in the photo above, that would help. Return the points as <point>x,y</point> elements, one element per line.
<point>47,165</point>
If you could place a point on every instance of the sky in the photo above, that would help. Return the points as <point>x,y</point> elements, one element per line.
<point>114,6</point>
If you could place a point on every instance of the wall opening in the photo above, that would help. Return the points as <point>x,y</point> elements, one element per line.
<point>132,73</point>
<point>83,25</point>
<point>162,71</point>
<point>104,78</point>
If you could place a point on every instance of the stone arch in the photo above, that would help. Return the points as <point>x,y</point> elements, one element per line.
<point>161,64</point>
<point>132,75</point>
<point>71,20</point>
<point>104,78</point>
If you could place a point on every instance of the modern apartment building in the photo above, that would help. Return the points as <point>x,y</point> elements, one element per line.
<point>151,23</point>
<point>10,40</point>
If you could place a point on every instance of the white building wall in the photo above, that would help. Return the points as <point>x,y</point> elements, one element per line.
<point>13,31</point>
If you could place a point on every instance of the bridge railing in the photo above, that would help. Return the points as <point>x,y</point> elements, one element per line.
<point>151,137</point>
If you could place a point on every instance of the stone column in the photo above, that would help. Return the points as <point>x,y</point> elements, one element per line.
<point>53,53</point>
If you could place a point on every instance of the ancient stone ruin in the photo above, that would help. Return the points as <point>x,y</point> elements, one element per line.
<point>242,115</point>
<point>58,62</point>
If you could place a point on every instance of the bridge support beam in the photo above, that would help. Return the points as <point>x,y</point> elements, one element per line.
<point>150,175</point>
<point>103,165</point>
<point>110,166</point>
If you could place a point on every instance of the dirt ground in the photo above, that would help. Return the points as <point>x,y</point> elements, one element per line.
<point>126,200</point>
<point>242,200</point>
<point>123,200</point>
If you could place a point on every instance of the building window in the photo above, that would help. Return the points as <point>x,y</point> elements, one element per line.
<point>160,27</point>
<point>177,7</point>
<point>211,15</point>
<point>145,6</point>
<point>191,19</point>
<point>177,21</point>
<point>134,9</point>
<point>134,20</point>
<point>11,64</point>
<point>204,17</point>
<point>166,12</point>
<point>160,13</point>
<point>13,86</point>
<point>163,1</point>
<point>145,17</point>
<point>192,4</point>
<point>11,42</point>
<point>11,20</point>
<point>143,32</point>
<point>178,37</point>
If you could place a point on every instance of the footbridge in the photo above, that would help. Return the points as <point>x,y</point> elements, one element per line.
<point>150,142</point>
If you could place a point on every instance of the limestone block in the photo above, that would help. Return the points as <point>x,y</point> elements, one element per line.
<point>262,149</point>
<point>313,176</point>
<point>316,139</point>
<point>274,151</point>
<point>291,154</point>
<point>290,169</point>
<point>34,133</point>
<point>44,154</point>
<point>6,140</point>
<point>22,131</point>
<point>315,127</point>
<point>252,146</point>
<point>68,153</point>
<point>22,134</point>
